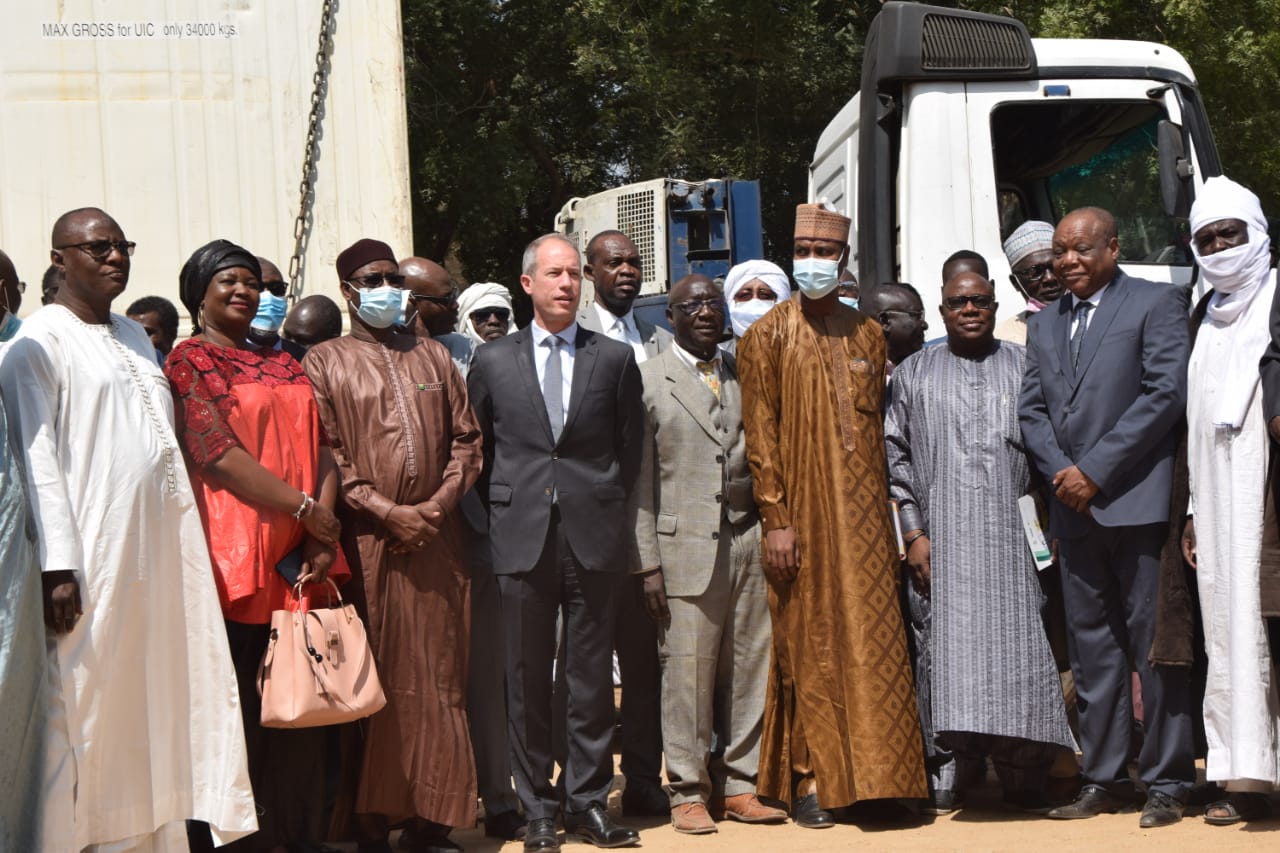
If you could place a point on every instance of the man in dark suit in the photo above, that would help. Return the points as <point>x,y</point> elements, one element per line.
<point>560,410</point>
<point>1104,390</point>
<point>615,269</point>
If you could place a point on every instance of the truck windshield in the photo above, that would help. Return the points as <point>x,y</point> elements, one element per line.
<point>1052,157</point>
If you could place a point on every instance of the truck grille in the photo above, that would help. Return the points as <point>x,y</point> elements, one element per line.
<point>635,219</point>
<point>951,42</point>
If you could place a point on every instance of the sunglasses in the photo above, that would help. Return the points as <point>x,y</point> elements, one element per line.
<point>694,307</point>
<point>376,279</point>
<point>480,315</point>
<point>100,250</point>
<point>982,302</point>
<point>443,301</point>
<point>1033,272</point>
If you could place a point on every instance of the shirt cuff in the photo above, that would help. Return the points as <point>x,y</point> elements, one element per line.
<point>775,517</point>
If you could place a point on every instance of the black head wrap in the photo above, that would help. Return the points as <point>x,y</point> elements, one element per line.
<point>203,265</point>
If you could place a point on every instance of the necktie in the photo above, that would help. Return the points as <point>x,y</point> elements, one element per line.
<point>708,371</point>
<point>1081,314</point>
<point>618,331</point>
<point>552,386</point>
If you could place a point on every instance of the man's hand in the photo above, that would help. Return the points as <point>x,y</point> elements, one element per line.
<point>1074,488</point>
<point>61,601</point>
<point>781,555</point>
<point>655,594</point>
<point>918,562</point>
<point>410,528</point>
<point>1189,542</point>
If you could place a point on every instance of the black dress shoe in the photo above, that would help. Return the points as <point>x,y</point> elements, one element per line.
<point>642,800</point>
<point>509,825</point>
<point>1093,800</point>
<point>1160,810</point>
<point>595,826</point>
<point>807,813</point>
<point>541,836</point>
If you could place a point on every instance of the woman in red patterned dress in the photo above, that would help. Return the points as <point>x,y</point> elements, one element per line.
<point>265,483</point>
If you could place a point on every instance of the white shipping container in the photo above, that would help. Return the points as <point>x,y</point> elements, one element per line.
<point>187,121</point>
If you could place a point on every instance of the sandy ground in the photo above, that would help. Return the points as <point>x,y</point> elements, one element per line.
<point>982,826</point>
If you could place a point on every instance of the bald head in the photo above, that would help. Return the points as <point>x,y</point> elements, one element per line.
<point>1086,251</point>
<point>435,304</point>
<point>314,319</point>
<point>90,249</point>
<point>698,332</point>
<point>70,225</point>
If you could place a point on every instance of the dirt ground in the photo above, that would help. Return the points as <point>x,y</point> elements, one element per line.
<point>982,826</point>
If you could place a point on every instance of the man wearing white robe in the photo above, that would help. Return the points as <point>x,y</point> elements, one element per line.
<point>1227,449</point>
<point>144,725</point>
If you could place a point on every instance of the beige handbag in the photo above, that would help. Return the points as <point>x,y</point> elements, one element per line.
<point>318,669</point>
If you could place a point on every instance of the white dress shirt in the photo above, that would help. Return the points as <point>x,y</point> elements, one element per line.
<point>567,350</point>
<point>622,329</point>
<point>692,361</point>
<point>1086,316</point>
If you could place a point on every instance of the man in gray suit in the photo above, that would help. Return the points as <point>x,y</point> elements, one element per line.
<point>698,537</point>
<point>1104,390</point>
<point>614,268</point>
<point>560,411</point>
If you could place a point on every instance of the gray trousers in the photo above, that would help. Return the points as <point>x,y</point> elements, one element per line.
<point>714,652</point>
<point>1110,586</point>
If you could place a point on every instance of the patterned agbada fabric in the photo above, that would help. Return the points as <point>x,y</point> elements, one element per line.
<point>402,432</point>
<point>840,697</point>
<point>957,468</point>
<point>261,402</point>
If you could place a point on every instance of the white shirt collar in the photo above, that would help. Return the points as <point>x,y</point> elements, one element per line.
<point>1092,300</point>
<point>692,360</point>
<point>568,334</point>
<point>608,318</point>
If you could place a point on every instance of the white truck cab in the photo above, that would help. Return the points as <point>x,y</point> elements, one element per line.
<point>965,127</point>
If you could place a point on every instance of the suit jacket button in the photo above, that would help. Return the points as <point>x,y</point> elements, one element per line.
<point>547,491</point>
<point>555,455</point>
<point>715,535</point>
<point>720,458</point>
<point>719,498</point>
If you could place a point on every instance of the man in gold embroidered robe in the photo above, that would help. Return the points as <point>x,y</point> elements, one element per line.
<point>840,721</point>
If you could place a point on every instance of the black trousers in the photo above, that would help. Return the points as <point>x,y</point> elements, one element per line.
<point>530,602</point>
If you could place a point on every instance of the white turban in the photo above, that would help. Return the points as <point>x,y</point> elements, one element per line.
<point>1028,238</point>
<point>1242,281</point>
<point>768,272</point>
<point>483,294</point>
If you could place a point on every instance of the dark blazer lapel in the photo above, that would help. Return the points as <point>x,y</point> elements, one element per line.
<point>1108,309</point>
<point>584,362</point>
<point>528,373</point>
<point>1060,330</point>
<point>690,392</point>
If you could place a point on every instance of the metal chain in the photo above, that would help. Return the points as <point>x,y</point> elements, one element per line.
<point>306,189</point>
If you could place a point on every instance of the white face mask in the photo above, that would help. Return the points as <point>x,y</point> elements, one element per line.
<point>743,314</point>
<point>1232,269</point>
<point>816,277</point>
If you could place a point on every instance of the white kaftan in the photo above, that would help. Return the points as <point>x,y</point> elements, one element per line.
<point>1228,471</point>
<point>144,725</point>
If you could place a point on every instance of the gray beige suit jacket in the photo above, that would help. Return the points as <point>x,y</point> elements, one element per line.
<point>693,472</point>
<point>655,338</point>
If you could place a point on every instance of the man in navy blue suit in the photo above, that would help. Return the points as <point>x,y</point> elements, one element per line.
<point>1104,391</point>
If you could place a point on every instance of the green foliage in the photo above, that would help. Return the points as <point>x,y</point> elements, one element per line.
<point>515,106</point>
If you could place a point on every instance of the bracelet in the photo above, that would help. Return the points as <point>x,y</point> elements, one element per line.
<point>305,507</point>
<point>911,539</point>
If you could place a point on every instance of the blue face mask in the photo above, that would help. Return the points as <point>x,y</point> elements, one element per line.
<point>851,301</point>
<point>816,277</point>
<point>381,307</point>
<point>9,326</point>
<point>271,311</point>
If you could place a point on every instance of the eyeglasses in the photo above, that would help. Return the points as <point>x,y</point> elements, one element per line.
<point>443,301</point>
<point>275,288</point>
<point>376,279</point>
<point>100,250</point>
<point>1033,272</point>
<point>480,315</point>
<point>694,307</point>
<point>914,315</point>
<point>980,301</point>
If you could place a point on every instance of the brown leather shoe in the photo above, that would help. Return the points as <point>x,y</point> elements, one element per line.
<point>746,808</point>
<point>692,818</point>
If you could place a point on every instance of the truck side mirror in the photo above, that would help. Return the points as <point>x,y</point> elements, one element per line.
<point>1175,170</point>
